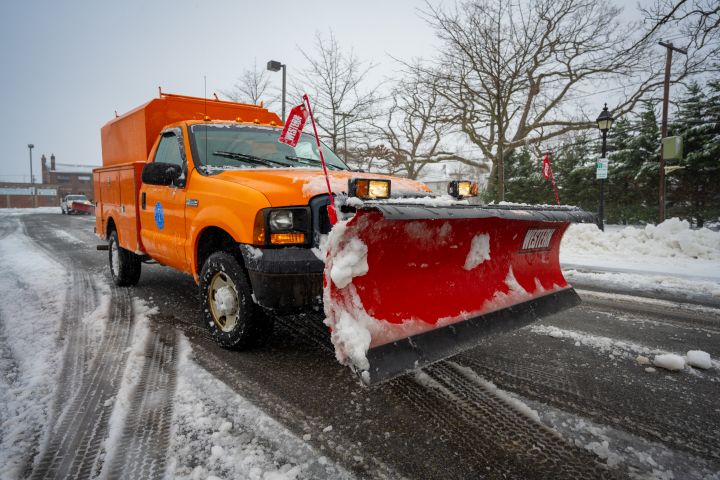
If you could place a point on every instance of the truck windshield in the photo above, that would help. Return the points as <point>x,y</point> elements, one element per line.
<point>225,147</point>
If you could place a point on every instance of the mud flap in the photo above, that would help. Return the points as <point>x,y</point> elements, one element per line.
<point>409,285</point>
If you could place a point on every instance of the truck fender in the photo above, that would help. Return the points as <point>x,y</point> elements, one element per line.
<point>221,218</point>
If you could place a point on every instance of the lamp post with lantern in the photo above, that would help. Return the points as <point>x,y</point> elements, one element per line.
<point>604,122</point>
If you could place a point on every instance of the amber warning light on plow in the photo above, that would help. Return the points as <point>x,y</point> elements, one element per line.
<point>368,189</point>
<point>462,188</point>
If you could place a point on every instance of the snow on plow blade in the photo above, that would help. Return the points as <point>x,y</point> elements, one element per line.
<point>409,285</point>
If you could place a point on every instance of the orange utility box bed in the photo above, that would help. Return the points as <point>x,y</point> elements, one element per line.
<point>127,142</point>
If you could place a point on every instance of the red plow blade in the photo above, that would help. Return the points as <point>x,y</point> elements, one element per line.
<point>408,285</point>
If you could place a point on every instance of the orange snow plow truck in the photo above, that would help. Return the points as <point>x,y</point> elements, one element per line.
<point>406,277</point>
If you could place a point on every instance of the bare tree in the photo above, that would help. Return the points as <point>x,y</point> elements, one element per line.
<point>695,21</point>
<point>335,82</point>
<point>411,129</point>
<point>514,74</point>
<point>252,86</point>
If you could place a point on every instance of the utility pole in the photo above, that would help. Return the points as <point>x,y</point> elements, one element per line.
<point>32,180</point>
<point>664,125</point>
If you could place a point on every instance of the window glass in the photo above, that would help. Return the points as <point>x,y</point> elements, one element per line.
<point>169,151</point>
<point>220,147</point>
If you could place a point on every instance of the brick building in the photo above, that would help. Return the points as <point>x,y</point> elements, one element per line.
<point>20,195</point>
<point>69,179</point>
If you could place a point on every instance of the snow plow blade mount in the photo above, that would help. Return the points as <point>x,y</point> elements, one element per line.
<point>440,279</point>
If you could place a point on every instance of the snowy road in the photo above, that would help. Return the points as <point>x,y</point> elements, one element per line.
<point>126,383</point>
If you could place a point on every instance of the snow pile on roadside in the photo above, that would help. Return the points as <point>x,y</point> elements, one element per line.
<point>672,238</point>
<point>216,433</point>
<point>11,212</point>
<point>31,306</point>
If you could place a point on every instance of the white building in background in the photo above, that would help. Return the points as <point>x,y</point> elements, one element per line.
<point>437,176</point>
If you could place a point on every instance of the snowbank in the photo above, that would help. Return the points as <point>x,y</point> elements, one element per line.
<point>671,239</point>
<point>669,257</point>
<point>28,211</point>
<point>31,307</point>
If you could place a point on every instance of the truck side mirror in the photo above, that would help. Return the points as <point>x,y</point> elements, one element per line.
<point>158,173</point>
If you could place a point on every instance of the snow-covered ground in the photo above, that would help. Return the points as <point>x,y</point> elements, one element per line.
<point>31,305</point>
<point>669,257</point>
<point>214,432</point>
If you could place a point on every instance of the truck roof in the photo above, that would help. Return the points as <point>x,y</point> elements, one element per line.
<point>130,137</point>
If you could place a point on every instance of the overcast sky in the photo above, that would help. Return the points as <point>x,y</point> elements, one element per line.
<point>68,65</point>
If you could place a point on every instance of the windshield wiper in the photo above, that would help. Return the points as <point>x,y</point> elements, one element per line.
<point>249,158</point>
<point>311,161</point>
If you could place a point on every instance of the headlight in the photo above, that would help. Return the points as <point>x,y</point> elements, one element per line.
<point>282,226</point>
<point>368,189</point>
<point>462,188</point>
<point>281,220</point>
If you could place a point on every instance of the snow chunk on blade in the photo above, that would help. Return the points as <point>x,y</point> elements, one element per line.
<point>409,285</point>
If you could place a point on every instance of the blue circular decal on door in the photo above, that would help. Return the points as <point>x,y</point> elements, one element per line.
<point>159,216</point>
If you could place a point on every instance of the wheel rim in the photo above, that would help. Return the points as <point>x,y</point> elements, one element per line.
<point>224,302</point>
<point>114,258</point>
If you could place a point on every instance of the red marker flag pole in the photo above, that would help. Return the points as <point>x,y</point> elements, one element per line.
<point>332,214</point>
<point>548,174</point>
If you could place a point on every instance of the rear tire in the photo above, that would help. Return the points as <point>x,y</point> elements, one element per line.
<point>125,266</point>
<point>228,310</point>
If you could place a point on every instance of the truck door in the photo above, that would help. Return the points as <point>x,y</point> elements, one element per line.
<point>162,208</point>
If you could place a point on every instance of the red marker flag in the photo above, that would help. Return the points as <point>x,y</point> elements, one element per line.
<point>546,168</point>
<point>294,125</point>
<point>548,174</point>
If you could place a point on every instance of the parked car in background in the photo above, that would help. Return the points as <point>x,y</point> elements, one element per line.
<point>75,204</point>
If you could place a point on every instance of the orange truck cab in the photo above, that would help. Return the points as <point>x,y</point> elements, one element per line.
<point>205,187</point>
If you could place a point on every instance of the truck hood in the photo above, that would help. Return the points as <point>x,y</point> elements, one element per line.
<point>296,186</point>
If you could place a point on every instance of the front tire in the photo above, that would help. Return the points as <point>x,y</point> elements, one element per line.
<point>125,266</point>
<point>228,309</point>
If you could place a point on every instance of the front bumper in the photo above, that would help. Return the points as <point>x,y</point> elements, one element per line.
<point>284,279</point>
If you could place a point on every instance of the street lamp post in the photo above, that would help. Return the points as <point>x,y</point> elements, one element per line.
<point>32,180</point>
<point>275,66</point>
<point>604,122</point>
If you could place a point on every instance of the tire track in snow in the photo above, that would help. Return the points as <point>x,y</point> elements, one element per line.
<point>74,445</point>
<point>620,409</point>
<point>528,448</point>
<point>142,451</point>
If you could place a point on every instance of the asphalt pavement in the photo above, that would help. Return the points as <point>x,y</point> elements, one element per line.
<point>563,398</point>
